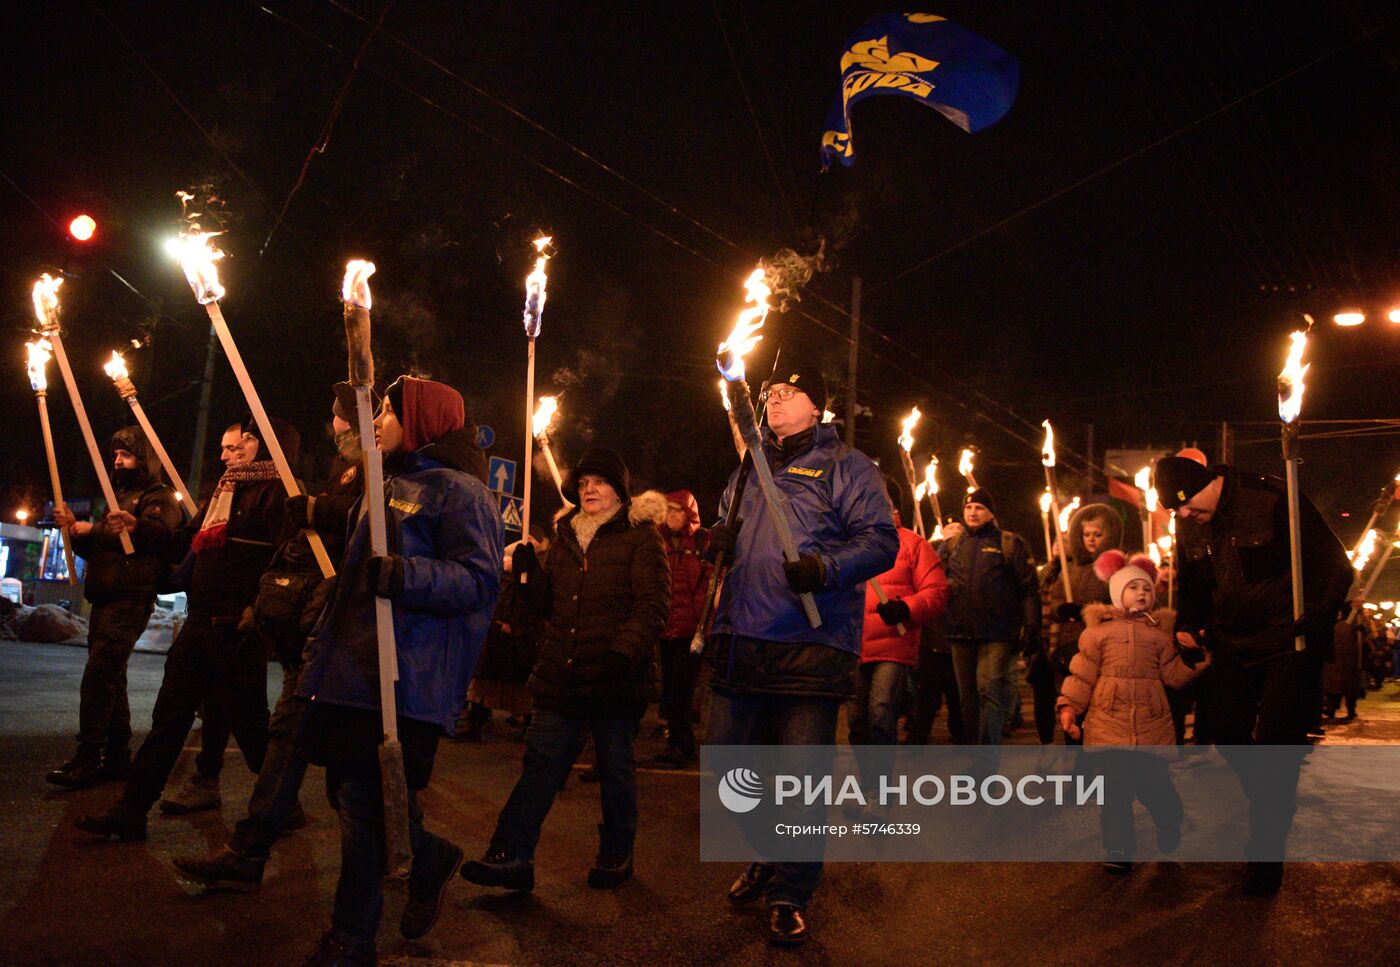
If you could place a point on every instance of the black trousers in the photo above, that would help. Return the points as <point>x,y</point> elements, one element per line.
<point>104,717</point>
<point>934,683</point>
<point>679,672</point>
<point>1134,776</point>
<point>210,664</point>
<point>1269,704</point>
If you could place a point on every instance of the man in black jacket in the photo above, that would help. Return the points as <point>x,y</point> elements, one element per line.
<point>122,590</point>
<point>1237,600</point>
<point>233,536</point>
<point>993,612</point>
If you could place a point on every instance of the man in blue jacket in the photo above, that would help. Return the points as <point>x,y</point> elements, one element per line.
<point>993,613</point>
<point>775,678</point>
<point>443,574</point>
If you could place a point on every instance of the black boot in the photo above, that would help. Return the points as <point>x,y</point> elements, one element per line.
<point>80,772</point>
<point>749,886</point>
<point>115,765</point>
<point>787,925</point>
<point>426,888</point>
<point>610,869</point>
<point>123,822</point>
<point>1263,879</point>
<point>499,868</point>
<point>223,870</point>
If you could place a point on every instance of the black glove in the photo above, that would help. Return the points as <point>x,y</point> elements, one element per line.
<point>893,612</point>
<point>299,510</point>
<point>805,575</point>
<point>1069,611</point>
<point>616,666</point>
<point>385,575</point>
<point>1315,622</point>
<point>523,559</point>
<point>723,539</point>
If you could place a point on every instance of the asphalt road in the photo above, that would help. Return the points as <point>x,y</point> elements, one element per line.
<point>65,899</point>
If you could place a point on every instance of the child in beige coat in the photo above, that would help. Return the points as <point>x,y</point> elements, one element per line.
<point>1127,659</point>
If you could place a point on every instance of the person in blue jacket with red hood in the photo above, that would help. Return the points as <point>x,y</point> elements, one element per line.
<point>775,678</point>
<point>443,575</point>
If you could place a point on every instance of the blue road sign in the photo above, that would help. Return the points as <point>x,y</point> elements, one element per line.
<point>500,476</point>
<point>485,437</point>
<point>510,512</point>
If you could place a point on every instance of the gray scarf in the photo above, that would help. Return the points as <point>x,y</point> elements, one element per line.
<point>586,525</point>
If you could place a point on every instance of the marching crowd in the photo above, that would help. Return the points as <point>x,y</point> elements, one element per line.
<point>574,630</point>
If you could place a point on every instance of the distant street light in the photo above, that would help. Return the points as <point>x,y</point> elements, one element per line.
<point>1349,318</point>
<point>21,515</point>
<point>1394,315</point>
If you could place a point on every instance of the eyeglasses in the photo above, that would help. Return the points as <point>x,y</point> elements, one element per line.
<point>781,393</point>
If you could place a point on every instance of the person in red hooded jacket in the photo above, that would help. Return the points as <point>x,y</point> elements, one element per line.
<point>917,590</point>
<point>685,542</point>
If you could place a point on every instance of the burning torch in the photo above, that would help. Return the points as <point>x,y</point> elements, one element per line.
<point>730,360</point>
<point>965,462</point>
<point>535,285</point>
<point>540,423</point>
<point>1382,504</point>
<point>906,446</point>
<point>39,354</point>
<point>1290,406</point>
<point>198,258</point>
<point>1047,459</point>
<point>116,369</point>
<point>355,294</point>
<point>46,310</point>
<point>931,489</point>
<point>1143,481</point>
<point>1375,573</point>
<point>1045,524</point>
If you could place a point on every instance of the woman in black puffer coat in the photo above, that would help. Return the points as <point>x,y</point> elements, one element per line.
<point>605,596</point>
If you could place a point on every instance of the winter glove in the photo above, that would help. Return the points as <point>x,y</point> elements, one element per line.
<point>616,666</point>
<point>1067,722</point>
<point>385,575</point>
<point>806,575</point>
<point>523,559</point>
<point>724,538</point>
<point>893,612</point>
<point>299,510</point>
<point>1069,611</point>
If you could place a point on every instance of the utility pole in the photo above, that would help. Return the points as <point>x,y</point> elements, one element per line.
<point>851,364</point>
<point>1224,442</point>
<point>201,424</point>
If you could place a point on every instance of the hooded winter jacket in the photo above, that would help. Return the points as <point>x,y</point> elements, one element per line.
<point>917,579</point>
<point>444,526</point>
<point>111,572</point>
<point>1120,676</point>
<point>991,595</point>
<point>610,600</point>
<point>1087,587</point>
<point>1235,573</point>
<point>690,572</point>
<point>838,510</point>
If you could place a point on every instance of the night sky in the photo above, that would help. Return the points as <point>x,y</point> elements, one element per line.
<point>1008,276</point>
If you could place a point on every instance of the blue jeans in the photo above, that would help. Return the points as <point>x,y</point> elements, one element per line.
<point>359,895</point>
<point>983,669</point>
<point>552,744</point>
<point>780,720</point>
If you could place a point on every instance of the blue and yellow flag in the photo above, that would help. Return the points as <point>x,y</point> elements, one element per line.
<point>960,74</point>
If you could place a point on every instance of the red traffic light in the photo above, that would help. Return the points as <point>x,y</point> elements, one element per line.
<point>82,228</point>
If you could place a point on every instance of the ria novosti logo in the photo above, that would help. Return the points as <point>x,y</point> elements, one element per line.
<point>740,790</point>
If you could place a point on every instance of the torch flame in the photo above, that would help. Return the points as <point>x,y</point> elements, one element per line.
<point>40,352</point>
<point>535,284</point>
<point>965,462</point>
<point>931,475</point>
<point>1066,513</point>
<point>1155,552</point>
<point>197,258</point>
<point>1165,543</point>
<point>46,301</point>
<point>724,393</point>
<point>116,367</point>
<point>1150,496</point>
<point>544,414</point>
<point>827,416</point>
<point>354,290</point>
<point>1045,501</point>
<point>744,336</point>
<point>906,432</point>
<point>1362,555</point>
<point>1143,479</point>
<point>1047,450</point>
<point>1290,380</point>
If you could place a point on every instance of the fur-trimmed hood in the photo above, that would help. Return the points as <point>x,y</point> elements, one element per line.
<point>647,507</point>
<point>1097,614</point>
<point>1113,531</point>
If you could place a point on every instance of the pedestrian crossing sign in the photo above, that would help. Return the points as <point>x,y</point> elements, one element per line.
<point>510,512</point>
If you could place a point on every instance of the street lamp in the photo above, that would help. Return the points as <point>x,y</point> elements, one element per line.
<point>1394,315</point>
<point>21,515</point>
<point>1350,318</point>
